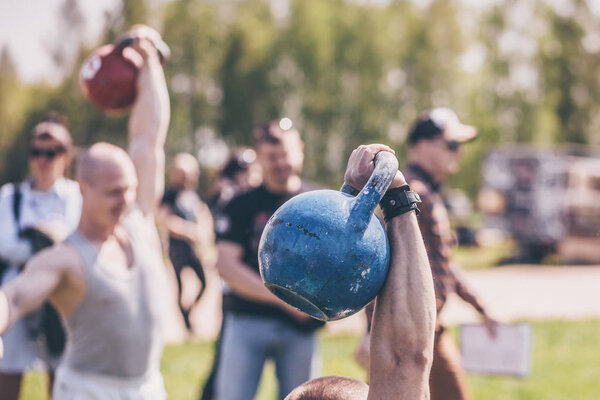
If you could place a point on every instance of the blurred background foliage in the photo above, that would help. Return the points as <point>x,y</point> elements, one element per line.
<point>346,72</point>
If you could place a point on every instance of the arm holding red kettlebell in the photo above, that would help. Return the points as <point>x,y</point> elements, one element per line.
<point>149,121</point>
<point>404,319</point>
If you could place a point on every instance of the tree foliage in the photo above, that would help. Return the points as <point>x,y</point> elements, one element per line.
<point>344,71</point>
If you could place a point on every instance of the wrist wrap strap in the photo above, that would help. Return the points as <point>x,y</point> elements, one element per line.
<point>398,201</point>
<point>351,190</point>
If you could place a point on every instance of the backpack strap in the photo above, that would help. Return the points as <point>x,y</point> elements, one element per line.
<point>16,206</point>
<point>17,195</point>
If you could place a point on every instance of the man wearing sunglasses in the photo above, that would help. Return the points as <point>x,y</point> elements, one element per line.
<point>435,147</point>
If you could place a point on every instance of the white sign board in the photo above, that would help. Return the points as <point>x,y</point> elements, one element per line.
<point>509,353</point>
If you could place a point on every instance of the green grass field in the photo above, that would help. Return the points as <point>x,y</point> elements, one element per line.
<point>565,367</point>
<point>471,258</point>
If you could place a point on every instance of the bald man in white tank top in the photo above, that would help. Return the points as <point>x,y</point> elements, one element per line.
<point>106,280</point>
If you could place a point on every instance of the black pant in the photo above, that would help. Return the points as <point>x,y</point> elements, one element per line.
<point>182,255</point>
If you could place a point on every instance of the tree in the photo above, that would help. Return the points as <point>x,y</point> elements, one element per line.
<point>570,72</point>
<point>15,99</point>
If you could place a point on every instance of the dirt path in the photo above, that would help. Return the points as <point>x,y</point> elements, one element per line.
<point>531,292</point>
<point>510,293</point>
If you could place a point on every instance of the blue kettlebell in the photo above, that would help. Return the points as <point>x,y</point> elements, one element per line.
<point>325,252</point>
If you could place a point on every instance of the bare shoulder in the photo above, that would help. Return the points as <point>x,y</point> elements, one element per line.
<point>55,274</point>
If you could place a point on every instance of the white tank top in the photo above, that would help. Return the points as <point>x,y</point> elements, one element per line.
<point>116,331</point>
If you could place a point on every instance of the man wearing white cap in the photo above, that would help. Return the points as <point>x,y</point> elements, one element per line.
<point>435,143</point>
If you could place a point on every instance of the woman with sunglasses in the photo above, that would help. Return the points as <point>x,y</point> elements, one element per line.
<point>43,208</point>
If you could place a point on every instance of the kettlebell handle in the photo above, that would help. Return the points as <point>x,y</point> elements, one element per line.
<point>363,205</point>
<point>164,52</point>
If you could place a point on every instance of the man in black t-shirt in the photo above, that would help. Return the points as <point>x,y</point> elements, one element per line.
<point>188,222</point>
<point>257,324</point>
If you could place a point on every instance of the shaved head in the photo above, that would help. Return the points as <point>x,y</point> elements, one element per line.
<point>108,182</point>
<point>184,171</point>
<point>330,388</point>
<point>102,159</point>
<point>185,161</point>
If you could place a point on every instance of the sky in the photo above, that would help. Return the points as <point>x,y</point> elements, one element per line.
<point>29,28</point>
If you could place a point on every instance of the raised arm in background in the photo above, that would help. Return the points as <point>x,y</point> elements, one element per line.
<point>148,123</point>
<point>56,273</point>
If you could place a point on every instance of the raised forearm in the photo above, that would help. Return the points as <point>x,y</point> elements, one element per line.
<point>409,296</point>
<point>151,112</point>
<point>148,125</point>
<point>403,324</point>
<point>404,320</point>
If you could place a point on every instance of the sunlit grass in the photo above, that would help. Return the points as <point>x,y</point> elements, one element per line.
<point>471,258</point>
<point>565,366</point>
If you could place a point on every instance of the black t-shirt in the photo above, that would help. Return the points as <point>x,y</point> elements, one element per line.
<point>243,221</point>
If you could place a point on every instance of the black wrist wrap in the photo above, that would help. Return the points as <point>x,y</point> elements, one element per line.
<point>351,190</point>
<point>398,201</point>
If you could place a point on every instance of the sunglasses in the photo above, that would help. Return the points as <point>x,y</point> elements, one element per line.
<point>46,153</point>
<point>453,145</point>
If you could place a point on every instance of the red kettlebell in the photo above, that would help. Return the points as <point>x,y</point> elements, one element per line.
<point>108,77</point>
